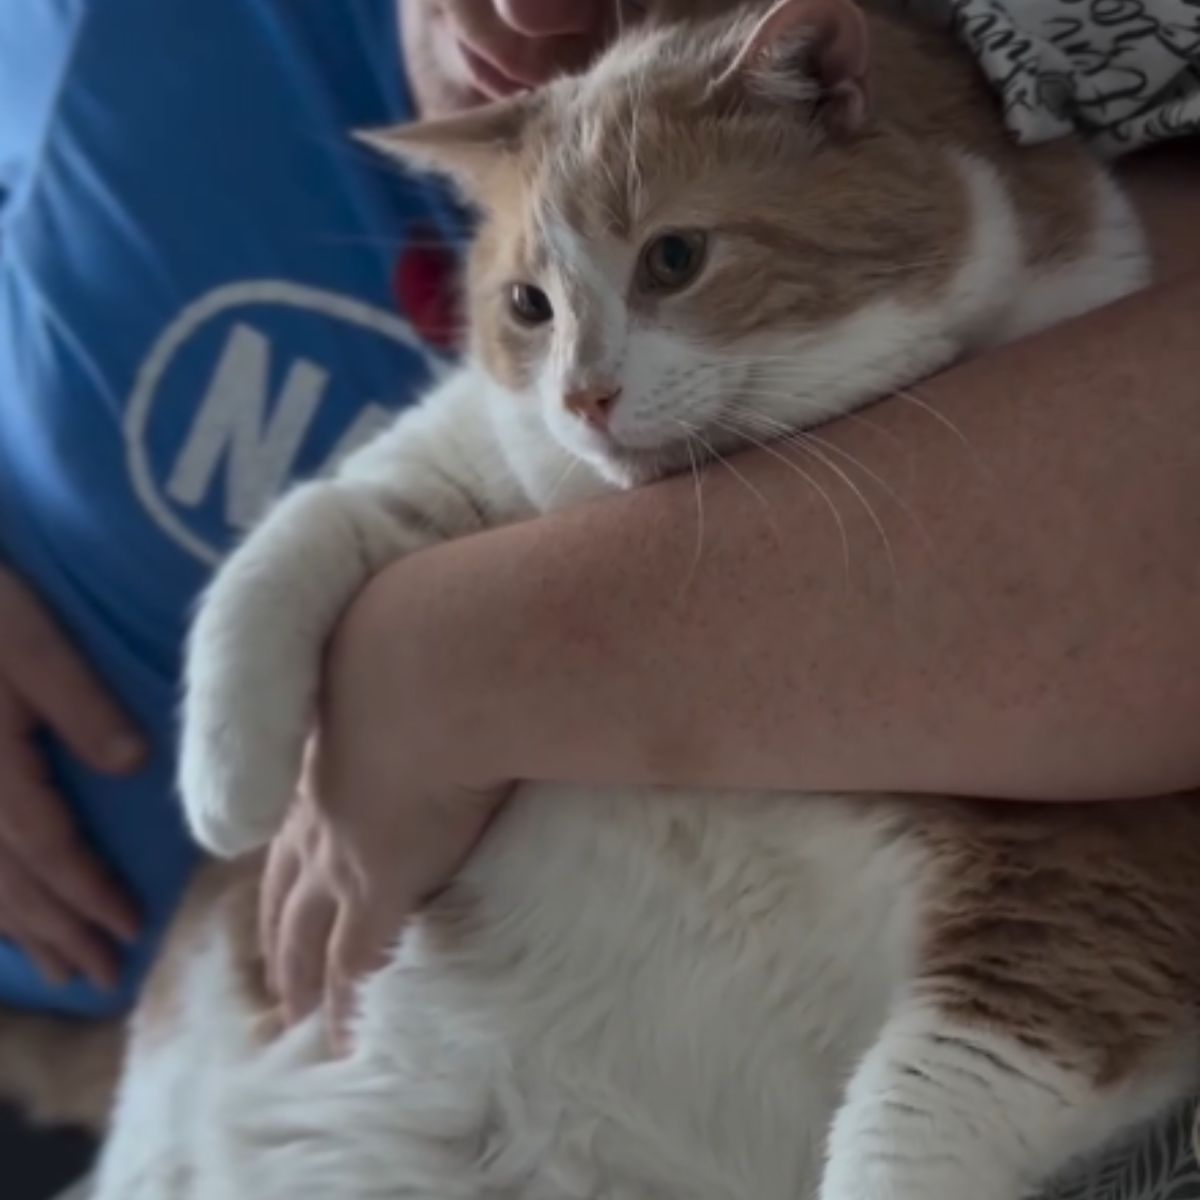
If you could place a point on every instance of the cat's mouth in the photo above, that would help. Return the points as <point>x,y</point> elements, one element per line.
<point>640,456</point>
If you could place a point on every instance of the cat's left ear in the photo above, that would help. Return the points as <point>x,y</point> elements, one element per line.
<point>466,148</point>
<point>802,45</point>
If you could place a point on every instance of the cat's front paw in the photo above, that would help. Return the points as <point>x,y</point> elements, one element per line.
<point>255,657</point>
<point>250,684</point>
<point>234,789</point>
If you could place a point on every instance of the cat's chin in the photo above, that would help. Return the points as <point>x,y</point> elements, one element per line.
<point>624,466</point>
<point>633,467</point>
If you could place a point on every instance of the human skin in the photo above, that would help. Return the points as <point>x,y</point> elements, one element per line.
<point>57,900</point>
<point>1027,628</point>
<point>1068,406</point>
<point>1030,629</point>
<point>462,52</point>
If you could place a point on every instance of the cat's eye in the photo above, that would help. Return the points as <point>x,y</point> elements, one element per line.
<point>672,260</point>
<point>529,304</point>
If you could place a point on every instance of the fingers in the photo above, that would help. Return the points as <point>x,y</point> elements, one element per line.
<point>339,986</point>
<point>41,667</point>
<point>46,962</point>
<point>279,877</point>
<point>542,18</point>
<point>361,942</point>
<point>345,948</point>
<point>37,831</point>
<point>56,900</point>
<point>58,940</point>
<point>305,926</point>
<point>511,60</point>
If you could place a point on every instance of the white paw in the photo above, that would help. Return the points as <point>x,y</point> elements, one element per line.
<point>251,677</point>
<point>254,660</point>
<point>236,783</point>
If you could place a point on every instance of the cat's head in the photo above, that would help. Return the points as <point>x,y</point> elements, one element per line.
<point>700,241</point>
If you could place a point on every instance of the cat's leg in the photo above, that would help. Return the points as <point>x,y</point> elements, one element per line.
<point>254,655</point>
<point>938,1110</point>
<point>202,1020</point>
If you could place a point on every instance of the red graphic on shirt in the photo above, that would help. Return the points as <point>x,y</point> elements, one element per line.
<point>424,285</point>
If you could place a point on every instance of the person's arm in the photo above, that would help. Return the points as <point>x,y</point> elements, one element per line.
<point>1034,630</point>
<point>1031,628</point>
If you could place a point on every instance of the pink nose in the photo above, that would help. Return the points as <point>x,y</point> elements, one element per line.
<point>593,405</point>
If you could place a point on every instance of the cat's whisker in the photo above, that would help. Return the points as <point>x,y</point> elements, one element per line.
<point>903,505</point>
<point>763,420</point>
<point>924,406</point>
<point>788,434</point>
<point>698,480</point>
<point>819,417</point>
<point>856,418</point>
<point>560,482</point>
<point>808,410</point>
<point>869,508</point>
<point>795,467</point>
<point>718,457</point>
<point>798,439</point>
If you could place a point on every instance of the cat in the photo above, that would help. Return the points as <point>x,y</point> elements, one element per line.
<point>773,996</point>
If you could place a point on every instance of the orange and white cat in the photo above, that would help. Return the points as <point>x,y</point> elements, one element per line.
<point>725,226</point>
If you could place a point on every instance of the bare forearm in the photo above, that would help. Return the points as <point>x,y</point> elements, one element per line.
<point>1030,628</point>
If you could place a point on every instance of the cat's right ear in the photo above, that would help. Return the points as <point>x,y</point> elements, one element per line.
<point>815,51</point>
<point>465,148</point>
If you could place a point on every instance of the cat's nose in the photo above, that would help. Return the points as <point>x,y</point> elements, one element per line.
<point>593,404</point>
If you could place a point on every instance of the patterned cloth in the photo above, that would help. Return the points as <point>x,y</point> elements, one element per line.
<point>1159,1164</point>
<point>1122,73</point>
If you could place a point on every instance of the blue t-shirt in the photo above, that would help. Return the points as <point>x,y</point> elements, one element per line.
<point>199,279</point>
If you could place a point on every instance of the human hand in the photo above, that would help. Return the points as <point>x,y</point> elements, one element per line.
<point>352,864</point>
<point>462,52</point>
<point>57,901</point>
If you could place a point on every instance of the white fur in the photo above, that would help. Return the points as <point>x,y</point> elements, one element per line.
<point>1115,266</point>
<point>940,1111</point>
<point>274,596</point>
<point>659,996</point>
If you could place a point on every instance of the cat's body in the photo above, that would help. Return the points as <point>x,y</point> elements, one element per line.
<point>628,996</point>
<point>663,997</point>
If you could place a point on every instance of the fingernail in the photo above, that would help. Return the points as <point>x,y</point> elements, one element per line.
<point>124,752</point>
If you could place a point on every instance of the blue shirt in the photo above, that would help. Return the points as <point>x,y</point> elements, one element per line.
<point>198,303</point>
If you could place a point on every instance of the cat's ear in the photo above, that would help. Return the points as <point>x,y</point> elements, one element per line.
<point>465,148</point>
<point>815,51</point>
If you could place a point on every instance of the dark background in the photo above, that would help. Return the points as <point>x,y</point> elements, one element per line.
<point>37,1165</point>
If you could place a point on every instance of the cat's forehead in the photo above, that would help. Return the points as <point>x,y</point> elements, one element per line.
<point>638,139</point>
